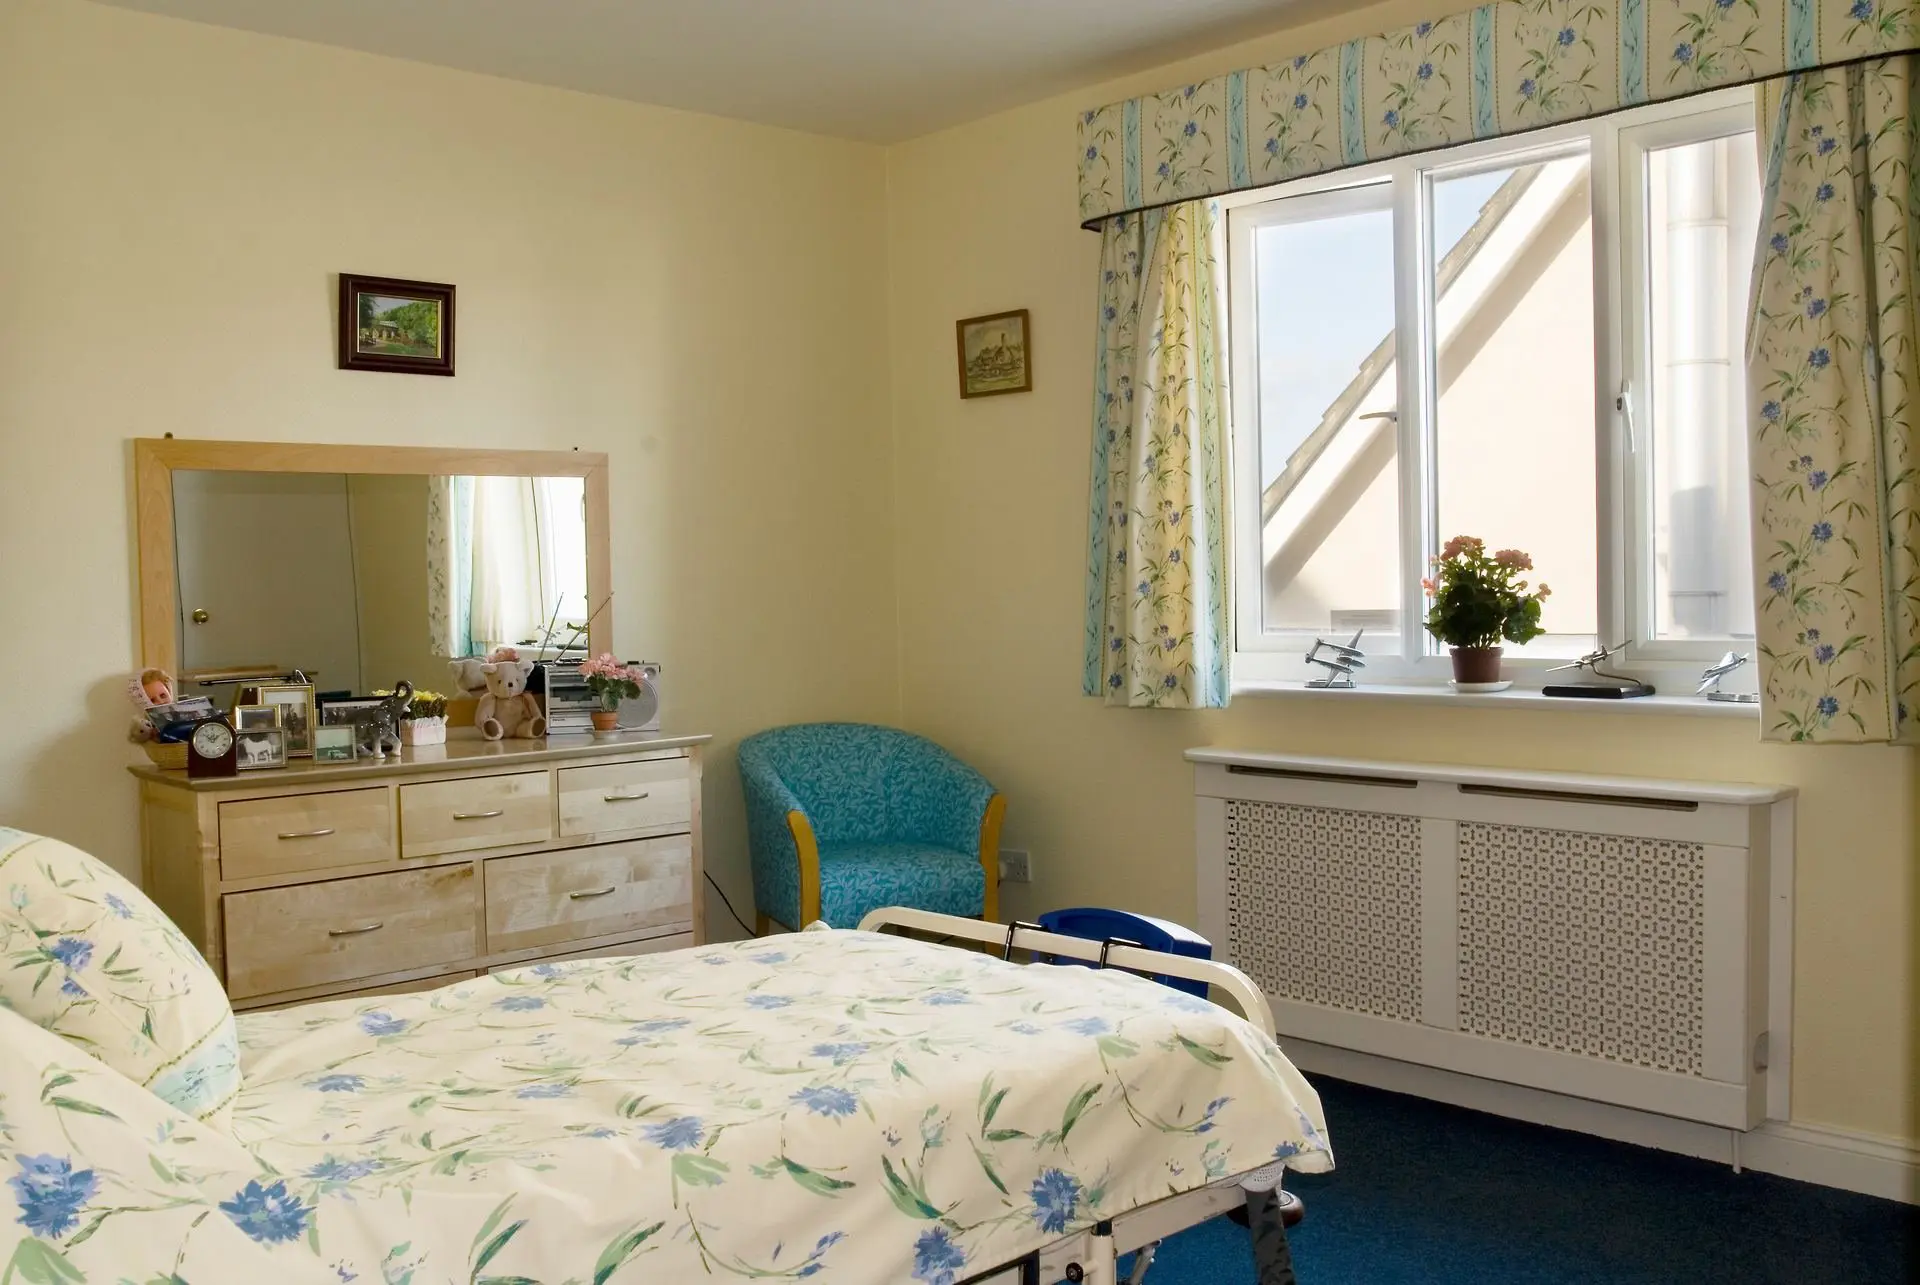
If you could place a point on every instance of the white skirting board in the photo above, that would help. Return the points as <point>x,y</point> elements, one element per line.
<point>1873,1166</point>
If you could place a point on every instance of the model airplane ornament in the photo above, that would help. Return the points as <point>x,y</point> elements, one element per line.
<point>1602,686</point>
<point>1340,662</point>
<point>1710,680</point>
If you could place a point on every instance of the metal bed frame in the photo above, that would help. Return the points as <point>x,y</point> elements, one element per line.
<point>1091,1256</point>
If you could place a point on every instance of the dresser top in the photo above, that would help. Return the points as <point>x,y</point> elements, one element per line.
<point>412,759</point>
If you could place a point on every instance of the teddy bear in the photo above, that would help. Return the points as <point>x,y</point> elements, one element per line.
<point>507,710</point>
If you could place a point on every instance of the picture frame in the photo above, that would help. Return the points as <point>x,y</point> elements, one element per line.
<point>995,353</point>
<point>395,325</point>
<point>256,718</point>
<point>334,743</point>
<point>297,718</point>
<point>342,713</point>
<point>260,748</point>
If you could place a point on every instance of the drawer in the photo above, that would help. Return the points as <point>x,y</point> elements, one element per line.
<point>550,898</point>
<point>645,794</point>
<point>304,832</point>
<point>475,812</point>
<point>282,939</point>
<point>651,946</point>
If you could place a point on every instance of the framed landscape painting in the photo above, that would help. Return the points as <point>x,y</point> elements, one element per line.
<point>394,325</point>
<point>996,354</point>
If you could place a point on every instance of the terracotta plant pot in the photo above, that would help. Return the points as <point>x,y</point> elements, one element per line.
<point>1476,664</point>
<point>606,720</point>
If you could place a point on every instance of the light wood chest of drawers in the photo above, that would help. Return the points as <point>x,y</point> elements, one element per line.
<point>323,880</point>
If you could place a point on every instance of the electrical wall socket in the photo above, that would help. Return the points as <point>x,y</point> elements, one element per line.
<point>1015,866</point>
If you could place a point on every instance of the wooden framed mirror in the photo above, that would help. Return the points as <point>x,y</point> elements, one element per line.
<point>352,560</point>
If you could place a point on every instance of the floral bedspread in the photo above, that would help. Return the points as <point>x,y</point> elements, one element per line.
<point>833,1106</point>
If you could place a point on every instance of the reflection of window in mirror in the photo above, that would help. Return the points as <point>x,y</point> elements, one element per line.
<point>507,562</point>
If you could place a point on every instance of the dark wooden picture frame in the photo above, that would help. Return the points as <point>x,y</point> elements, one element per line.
<point>403,348</point>
<point>981,383</point>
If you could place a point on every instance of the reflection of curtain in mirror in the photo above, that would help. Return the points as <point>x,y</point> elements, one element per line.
<point>510,603</point>
<point>450,566</point>
<point>560,504</point>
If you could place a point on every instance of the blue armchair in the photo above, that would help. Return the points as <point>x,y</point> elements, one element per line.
<point>843,818</point>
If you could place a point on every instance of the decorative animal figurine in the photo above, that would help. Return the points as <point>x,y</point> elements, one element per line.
<point>378,729</point>
<point>507,710</point>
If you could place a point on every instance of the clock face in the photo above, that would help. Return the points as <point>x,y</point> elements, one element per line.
<point>212,740</point>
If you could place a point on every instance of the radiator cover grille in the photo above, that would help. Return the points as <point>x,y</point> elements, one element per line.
<point>1323,905</point>
<point>1585,943</point>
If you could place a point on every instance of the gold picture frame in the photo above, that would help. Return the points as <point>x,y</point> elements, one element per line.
<point>256,718</point>
<point>996,353</point>
<point>296,704</point>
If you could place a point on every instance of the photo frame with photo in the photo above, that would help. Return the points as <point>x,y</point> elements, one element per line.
<point>391,324</point>
<point>296,714</point>
<point>256,718</point>
<point>263,747</point>
<point>335,743</point>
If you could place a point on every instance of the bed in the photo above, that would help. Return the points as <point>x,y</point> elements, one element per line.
<point>830,1106</point>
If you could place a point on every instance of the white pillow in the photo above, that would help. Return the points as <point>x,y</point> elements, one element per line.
<point>84,954</point>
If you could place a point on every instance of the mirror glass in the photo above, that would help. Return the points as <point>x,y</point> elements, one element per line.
<point>364,579</point>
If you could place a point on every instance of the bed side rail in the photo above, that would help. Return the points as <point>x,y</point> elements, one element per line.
<point>1019,936</point>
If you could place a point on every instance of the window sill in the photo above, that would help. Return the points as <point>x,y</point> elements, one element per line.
<point>1688,705</point>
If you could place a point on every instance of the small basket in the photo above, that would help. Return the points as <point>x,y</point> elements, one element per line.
<point>171,754</point>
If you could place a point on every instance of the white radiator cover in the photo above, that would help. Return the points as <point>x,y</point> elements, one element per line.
<point>1622,940</point>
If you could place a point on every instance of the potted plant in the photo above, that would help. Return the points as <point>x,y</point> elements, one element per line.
<point>425,722</point>
<point>610,682</point>
<point>1477,600</point>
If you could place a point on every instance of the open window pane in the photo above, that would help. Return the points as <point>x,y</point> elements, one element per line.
<point>1703,210</point>
<point>1514,378</point>
<point>1330,495</point>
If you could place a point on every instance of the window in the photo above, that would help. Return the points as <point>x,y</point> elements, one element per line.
<point>1536,341</point>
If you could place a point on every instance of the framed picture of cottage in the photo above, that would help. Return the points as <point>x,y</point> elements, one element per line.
<point>996,354</point>
<point>394,325</point>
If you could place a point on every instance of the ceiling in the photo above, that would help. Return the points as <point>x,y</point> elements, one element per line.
<point>877,70</point>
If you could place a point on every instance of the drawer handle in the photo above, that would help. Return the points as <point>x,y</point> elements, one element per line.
<point>625,798</point>
<point>355,932</point>
<point>586,894</point>
<point>307,834</point>
<point>479,816</point>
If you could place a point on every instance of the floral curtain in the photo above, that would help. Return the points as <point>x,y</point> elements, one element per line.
<point>1156,631</point>
<point>1832,373</point>
<point>449,566</point>
<point>1477,72</point>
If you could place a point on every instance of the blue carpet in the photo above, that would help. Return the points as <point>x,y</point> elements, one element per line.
<point>1439,1195</point>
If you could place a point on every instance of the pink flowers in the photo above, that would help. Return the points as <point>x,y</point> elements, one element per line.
<point>610,680</point>
<point>1480,600</point>
<point>603,666</point>
<point>1513,560</point>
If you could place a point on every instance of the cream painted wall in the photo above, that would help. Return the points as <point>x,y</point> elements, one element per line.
<point>982,218</point>
<point>701,299</point>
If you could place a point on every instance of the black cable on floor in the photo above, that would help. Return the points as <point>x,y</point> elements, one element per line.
<point>729,905</point>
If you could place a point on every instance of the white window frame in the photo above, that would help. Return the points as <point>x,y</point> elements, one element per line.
<point>1616,147</point>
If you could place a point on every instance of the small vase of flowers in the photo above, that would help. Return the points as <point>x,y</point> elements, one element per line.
<point>1476,600</point>
<point>425,722</point>
<point>610,682</point>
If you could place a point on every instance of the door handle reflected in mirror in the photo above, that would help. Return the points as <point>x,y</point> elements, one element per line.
<point>200,616</point>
